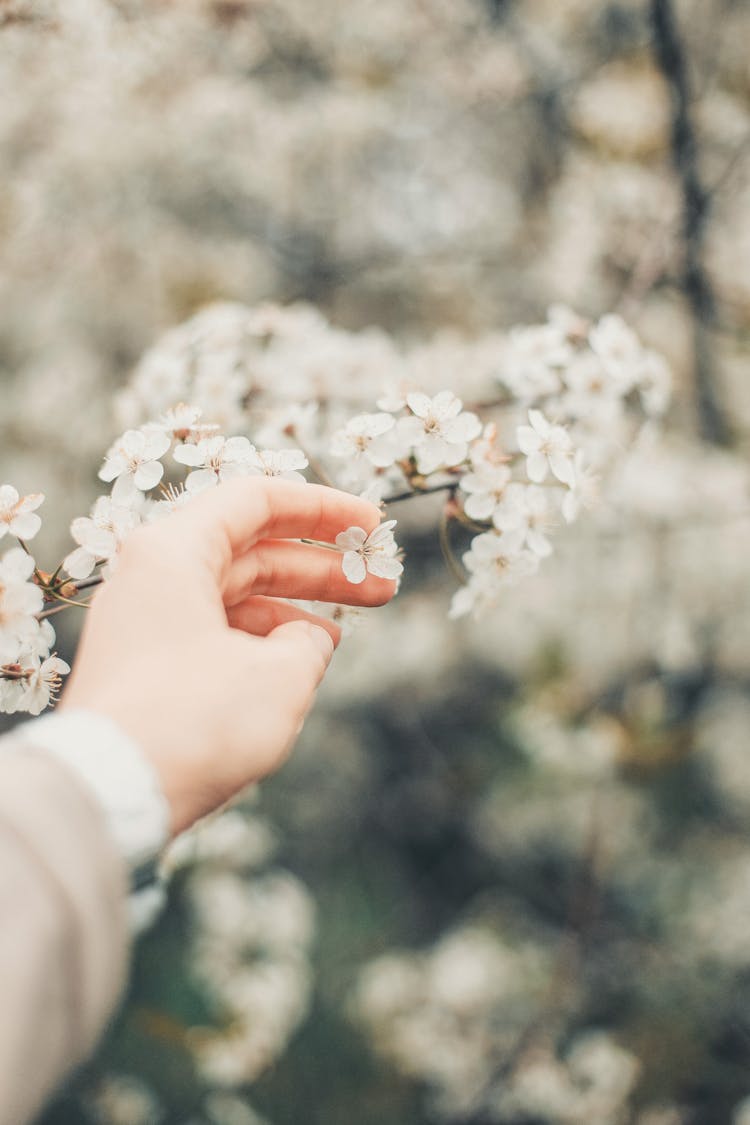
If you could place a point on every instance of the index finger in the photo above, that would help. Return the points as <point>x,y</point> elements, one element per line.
<point>236,514</point>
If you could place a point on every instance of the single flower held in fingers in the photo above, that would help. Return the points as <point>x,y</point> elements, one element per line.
<point>374,553</point>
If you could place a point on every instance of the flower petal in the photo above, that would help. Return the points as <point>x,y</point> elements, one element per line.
<point>479,506</point>
<point>464,428</point>
<point>562,467</point>
<point>200,479</point>
<point>536,467</point>
<point>188,455</point>
<point>79,563</point>
<point>25,525</point>
<point>354,567</point>
<point>351,539</point>
<point>419,404</point>
<point>540,423</point>
<point>528,440</point>
<point>383,567</point>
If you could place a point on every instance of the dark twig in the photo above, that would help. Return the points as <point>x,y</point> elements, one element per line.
<point>670,56</point>
<point>448,486</point>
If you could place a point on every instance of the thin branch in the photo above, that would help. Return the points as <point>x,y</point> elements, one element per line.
<point>670,56</point>
<point>88,583</point>
<point>447,486</point>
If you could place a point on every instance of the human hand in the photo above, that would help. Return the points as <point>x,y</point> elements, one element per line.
<point>189,649</point>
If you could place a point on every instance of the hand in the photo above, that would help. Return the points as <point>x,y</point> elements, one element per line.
<point>188,649</point>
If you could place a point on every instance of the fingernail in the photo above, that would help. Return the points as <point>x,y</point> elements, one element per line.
<point>323,640</point>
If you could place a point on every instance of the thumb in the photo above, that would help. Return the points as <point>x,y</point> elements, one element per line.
<point>303,652</point>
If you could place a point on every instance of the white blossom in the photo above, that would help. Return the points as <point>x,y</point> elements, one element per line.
<point>533,360</point>
<point>619,350</point>
<point>215,459</point>
<point>284,463</point>
<point>12,688</point>
<point>592,392</point>
<point>183,423</point>
<point>498,556</point>
<point>43,683</point>
<point>584,491</point>
<point>438,432</point>
<point>485,486</point>
<point>99,536</point>
<point>366,436</point>
<point>524,516</point>
<point>174,496</point>
<point>20,601</point>
<point>23,661</point>
<point>283,420</point>
<point>18,513</point>
<point>133,462</point>
<point>374,553</point>
<point>494,561</point>
<point>546,447</point>
<point>654,383</point>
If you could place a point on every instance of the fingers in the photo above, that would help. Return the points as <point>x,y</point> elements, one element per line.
<point>261,616</point>
<point>229,519</point>
<point>296,655</point>
<point>287,569</point>
<point>301,643</point>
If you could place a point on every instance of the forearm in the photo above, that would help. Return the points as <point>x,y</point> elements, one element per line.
<point>63,934</point>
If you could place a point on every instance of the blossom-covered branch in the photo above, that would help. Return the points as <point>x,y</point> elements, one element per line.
<point>275,391</point>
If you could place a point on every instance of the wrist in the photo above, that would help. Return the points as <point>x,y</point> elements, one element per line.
<point>117,773</point>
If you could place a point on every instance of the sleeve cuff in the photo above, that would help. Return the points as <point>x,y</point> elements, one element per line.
<point>115,770</point>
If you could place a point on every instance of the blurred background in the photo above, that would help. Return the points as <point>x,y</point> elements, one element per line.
<point>506,878</point>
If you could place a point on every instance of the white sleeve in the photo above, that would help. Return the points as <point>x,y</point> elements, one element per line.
<point>126,786</point>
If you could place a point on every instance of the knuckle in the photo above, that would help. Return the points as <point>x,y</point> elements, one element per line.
<point>264,569</point>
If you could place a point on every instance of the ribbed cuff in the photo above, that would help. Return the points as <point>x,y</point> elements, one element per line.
<point>115,769</point>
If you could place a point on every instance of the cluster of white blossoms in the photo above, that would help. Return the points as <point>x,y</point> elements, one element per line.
<point>253,928</point>
<point>29,675</point>
<point>452,1017</point>
<point>554,407</point>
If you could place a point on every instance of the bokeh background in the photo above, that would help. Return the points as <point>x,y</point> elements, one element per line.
<point>506,878</point>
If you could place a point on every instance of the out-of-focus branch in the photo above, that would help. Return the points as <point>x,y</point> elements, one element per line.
<point>670,56</point>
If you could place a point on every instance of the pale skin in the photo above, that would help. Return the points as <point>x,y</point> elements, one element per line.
<point>189,649</point>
